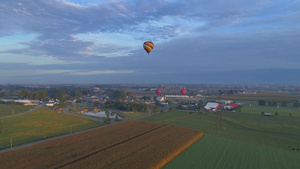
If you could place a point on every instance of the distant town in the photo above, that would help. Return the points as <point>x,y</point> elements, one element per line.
<point>144,98</point>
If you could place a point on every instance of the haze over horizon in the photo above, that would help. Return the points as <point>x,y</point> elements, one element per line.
<point>91,41</point>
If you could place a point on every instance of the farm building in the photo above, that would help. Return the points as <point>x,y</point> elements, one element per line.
<point>231,106</point>
<point>212,106</point>
<point>224,101</point>
<point>160,98</point>
<point>177,96</point>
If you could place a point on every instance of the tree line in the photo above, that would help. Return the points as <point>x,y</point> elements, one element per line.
<point>273,103</point>
<point>130,106</point>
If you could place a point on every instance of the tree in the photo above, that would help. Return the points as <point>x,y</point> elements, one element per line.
<point>78,93</point>
<point>193,94</point>
<point>272,103</point>
<point>146,97</point>
<point>117,118</point>
<point>108,104</point>
<point>23,94</point>
<point>284,103</point>
<point>262,113</point>
<point>59,94</point>
<point>12,103</point>
<point>172,108</point>
<point>0,127</point>
<point>119,95</point>
<point>157,103</point>
<point>169,102</point>
<point>200,105</point>
<point>96,103</point>
<point>107,115</point>
<point>129,94</point>
<point>276,113</point>
<point>296,104</point>
<point>155,109</point>
<point>261,102</point>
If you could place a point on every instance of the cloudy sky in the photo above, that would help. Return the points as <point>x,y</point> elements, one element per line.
<point>195,41</point>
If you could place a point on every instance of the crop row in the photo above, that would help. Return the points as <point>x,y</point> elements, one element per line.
<point>151,150</point>
<point>72,150</point>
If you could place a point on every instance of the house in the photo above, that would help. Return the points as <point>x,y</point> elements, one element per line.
<point>212,106</point>
<point>224,101</point>
<point>160,98</point>
<point>50,104</point>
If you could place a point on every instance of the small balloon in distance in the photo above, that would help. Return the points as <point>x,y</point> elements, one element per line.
<point>183,91</point>
<point>148,46</point>
<point>158,91</point>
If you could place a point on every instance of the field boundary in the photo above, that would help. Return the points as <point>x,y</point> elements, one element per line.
<point>116,144</point>
<point>168,159</point>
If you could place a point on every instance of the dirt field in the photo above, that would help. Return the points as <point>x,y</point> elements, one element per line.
<point>130,144</point>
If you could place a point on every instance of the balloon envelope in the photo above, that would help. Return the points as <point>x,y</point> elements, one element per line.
<point>183,91</point>
<point>158,91</point>
<point>148,46</point>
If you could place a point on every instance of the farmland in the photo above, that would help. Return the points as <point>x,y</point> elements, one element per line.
<point>7,110</point>
<point>255,97</point>
<point>218,152</point>
<point>241,136</point>
<point>252,107</point>
<point>40,124</point>
<point>130,144</point>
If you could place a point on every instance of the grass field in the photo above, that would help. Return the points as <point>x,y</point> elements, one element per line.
<point>255,97</point>
<point>215,152</point>
<point>40,124</point>
<point>240,136</point>
<point>130,144</point>
<point>281,111</point>
<point>7,110</point>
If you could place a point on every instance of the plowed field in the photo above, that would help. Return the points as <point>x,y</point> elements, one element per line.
<point>131,144</point>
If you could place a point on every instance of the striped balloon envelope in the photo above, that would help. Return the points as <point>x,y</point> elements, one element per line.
<point>148,46</point>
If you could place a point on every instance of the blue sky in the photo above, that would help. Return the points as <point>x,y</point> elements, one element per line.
<point>195,41</point>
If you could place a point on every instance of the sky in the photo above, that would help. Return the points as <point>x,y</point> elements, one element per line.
<point>195,41</point>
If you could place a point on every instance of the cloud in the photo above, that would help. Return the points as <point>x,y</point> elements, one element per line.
<point>101,72</point>
<point>106,38</point>
<point>18,73</point>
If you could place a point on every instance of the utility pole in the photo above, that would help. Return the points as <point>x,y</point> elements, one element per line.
<point>10,142</point>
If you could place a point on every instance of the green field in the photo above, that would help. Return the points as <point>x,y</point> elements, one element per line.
<point>255,97</point>
<point>215,152</point>
<point>237,140</point>
<point>7,110</point>
<point>40,124</point>
<point>253,108</point>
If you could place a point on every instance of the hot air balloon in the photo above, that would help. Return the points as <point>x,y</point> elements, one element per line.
<point>148,46</point>
<point>183,91</point>
<point>158,91</point>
